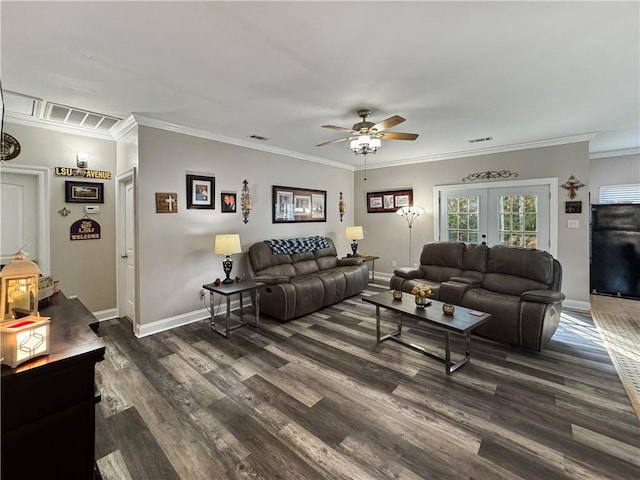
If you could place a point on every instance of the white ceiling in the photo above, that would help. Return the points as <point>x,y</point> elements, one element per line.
<point>520,72</point>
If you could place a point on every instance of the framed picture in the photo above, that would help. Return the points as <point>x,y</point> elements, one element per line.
<point>292,204</point>
<point>573,207</point>
<point>83,192</point>
<point>201,192</point>
<point>389,201</point>
<point>228,202</point>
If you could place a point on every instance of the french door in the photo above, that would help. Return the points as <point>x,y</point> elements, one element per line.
<point>517,215</point>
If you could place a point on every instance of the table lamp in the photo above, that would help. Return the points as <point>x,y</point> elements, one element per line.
<point>227,244</point>
<point>354,233</point>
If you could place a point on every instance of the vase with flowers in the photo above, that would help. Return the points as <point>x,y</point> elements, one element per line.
<point>421,292</point>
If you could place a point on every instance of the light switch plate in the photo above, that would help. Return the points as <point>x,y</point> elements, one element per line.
<point>573,224</point>
<point>91,209</point>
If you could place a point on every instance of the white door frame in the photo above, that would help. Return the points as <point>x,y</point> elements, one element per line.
<point>553,202</point>
<point>42,175</point>
<point>122,180</point>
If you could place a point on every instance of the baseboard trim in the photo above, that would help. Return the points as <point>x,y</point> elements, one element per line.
<point>108,314</point>
<point>146,329</point>
<point>576,305</point>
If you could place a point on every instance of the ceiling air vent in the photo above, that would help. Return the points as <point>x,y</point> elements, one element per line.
<point>79,118</point>
<point>258,137</point>
<point>481,139</point>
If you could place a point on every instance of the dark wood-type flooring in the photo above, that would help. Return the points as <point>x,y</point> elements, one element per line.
<point>317,398</point>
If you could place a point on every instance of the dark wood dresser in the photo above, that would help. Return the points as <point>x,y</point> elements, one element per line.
<point>48,404</point>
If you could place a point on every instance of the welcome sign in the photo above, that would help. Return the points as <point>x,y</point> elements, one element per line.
<point>85,229</point>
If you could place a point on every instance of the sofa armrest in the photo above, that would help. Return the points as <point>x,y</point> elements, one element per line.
<point>342,262</point>
<point>542,296</point>
<point>474,282</point>
<point>452,292</point>
<point>271,279</point>
<point>409,272</point>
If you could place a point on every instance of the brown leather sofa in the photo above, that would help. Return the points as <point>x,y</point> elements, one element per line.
<point>301,283</point>
<point>520,288</point>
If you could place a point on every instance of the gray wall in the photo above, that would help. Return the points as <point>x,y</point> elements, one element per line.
<point>622,170</point>
<point>86,268</point>
<point>176,250</point>
<point>386,234</point>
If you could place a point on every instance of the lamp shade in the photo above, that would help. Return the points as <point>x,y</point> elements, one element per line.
<point>354,233</point>
<point>227,244</point>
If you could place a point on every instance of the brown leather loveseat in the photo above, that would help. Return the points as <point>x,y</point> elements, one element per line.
<point>303,275</point>
<point>520,287</point>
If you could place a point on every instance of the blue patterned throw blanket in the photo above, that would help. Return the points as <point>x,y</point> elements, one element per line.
<point>297,245</point>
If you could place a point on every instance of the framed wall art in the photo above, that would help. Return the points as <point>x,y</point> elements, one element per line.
<point>83,192</point>
<point>389,201</point>
<point>201,192</point>
<point>228,202</point>
<point>292,204</point>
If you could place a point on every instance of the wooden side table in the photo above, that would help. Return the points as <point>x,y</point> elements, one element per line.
<point>228,290</point>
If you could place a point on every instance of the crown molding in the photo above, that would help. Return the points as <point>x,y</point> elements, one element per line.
<point>122,128</point>
<point>47,125</point>
<point>615,153</point>
<point>552,142</point>
<point>195,132</point>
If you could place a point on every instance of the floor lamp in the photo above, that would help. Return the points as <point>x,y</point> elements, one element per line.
<point>410,214</point>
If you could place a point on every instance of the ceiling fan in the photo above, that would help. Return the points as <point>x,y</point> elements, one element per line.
<point>365,136</point>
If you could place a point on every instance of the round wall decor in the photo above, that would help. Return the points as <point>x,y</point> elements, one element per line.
<point>9,148</point>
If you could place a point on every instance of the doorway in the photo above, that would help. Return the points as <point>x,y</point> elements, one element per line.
<point>127,277</point>
<point>25,214</point>
<point>516,213</point>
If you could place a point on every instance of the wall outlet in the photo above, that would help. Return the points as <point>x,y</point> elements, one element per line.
<point>393,263</point>
<point>202,293</point>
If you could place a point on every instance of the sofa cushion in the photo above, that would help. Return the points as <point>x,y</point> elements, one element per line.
<point>335,284</point>
<point>529,263</point>
<point>284,270</point>
<point>305,267</point>
<point>505,311</point>
<point>309,294</point>
<point>474,261</point>
<point>262,257</point>
<point>444,254</point>
<point>510,284</point>
<point>439,274</point>
<point>325,263</point>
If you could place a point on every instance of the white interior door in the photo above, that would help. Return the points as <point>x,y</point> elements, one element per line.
<point>517,215</point>
<point>19,200</point>
<point>129,252</point>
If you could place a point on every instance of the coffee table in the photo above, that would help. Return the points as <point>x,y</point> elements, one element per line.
<point>461,322</point>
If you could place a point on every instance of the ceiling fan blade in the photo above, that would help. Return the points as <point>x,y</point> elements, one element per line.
<point>334,141</point>
<point>342,129</point>
<point>388,123</point>
<point>398,136</point>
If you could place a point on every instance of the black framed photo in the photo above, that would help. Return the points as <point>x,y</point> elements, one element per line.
<point>228,202</point>
<point>293,204</point>
<point>389,201</point>
<point>201,192</point>
<point>573,207</point>
<point>84,192</point>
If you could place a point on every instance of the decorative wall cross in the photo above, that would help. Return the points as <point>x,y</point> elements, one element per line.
<point>572,185</point>
<point>166,203</point>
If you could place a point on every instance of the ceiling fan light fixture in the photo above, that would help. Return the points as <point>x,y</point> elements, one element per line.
<point>364,145</point>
